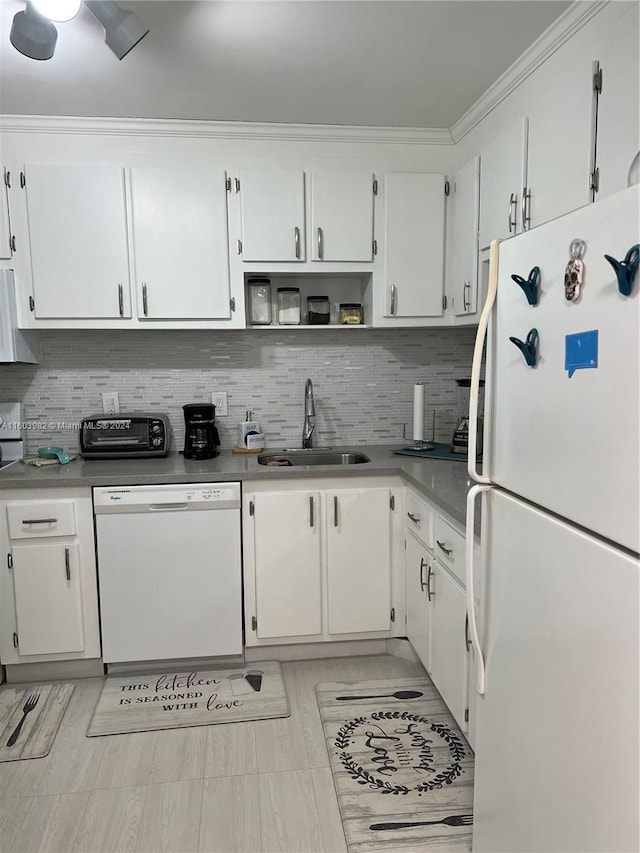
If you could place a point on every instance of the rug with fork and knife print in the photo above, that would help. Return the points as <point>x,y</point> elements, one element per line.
<point>402,769</point>
<point>30,718</point>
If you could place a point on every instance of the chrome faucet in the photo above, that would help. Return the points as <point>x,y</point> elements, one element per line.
<point>309,415</point>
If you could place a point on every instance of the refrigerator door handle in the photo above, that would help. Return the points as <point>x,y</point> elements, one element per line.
<point>477,363</point>
<point>472,494</point>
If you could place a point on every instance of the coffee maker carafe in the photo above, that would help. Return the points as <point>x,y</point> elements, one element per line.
<point>201,439</point>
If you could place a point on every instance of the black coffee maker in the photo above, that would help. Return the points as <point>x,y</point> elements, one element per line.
<point>201,439</point>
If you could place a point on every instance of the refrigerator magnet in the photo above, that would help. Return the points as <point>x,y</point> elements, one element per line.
<point>580,351</point>
<point>574,271</point>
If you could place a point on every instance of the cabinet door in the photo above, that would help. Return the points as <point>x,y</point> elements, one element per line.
<point>503,176</point>
<point>46,580</point>
<point>181,245</point>
<point>78,240</point>
<point>272,209</point>
<point>418,561</point>
<point>414,206</point>
<point>287,564</point>
<point>358,560</point>
<point>449,657</point>
<point>464,263</point>
<point>5,228</point>
<point>342,216</point>
<point>619,104</point>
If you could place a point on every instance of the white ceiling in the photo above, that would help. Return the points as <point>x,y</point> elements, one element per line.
<point>385,63</point>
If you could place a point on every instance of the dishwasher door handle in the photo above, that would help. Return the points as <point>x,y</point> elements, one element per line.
<point>172,507</point>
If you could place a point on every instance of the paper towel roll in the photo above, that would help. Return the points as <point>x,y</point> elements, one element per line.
<point>418,411</point>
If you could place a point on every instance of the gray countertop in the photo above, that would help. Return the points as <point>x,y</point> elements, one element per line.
<point>445,482</point>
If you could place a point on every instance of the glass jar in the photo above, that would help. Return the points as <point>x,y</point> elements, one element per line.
<point>289,306</point>
<point>350,314</point>
<point>259,301</point>
<point>318,310</point>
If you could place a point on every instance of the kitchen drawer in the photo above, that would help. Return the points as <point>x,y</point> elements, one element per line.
<point>449,547</point>
<point>40,519</point>
<point>419,518</point>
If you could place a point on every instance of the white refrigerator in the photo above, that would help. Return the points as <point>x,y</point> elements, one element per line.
<point>556,639</point>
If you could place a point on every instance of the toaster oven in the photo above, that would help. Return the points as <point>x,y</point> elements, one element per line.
<point>124,436</point>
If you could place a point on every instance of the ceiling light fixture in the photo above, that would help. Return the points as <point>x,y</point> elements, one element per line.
<point>123,30</point>
<point>33,34</point>
<point>57,10</point>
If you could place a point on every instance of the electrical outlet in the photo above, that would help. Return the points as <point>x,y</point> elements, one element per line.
<point>110,404</point>
<point>219,400</point>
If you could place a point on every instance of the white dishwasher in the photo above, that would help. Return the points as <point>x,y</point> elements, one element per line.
<point>169,566</point>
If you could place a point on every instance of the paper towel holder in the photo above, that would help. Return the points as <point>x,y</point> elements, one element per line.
<point>420,444</point>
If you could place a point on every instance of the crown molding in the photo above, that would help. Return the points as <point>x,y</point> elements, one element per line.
<point>224,130</point>
<point>575,17</point>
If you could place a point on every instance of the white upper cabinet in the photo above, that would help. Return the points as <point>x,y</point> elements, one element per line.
<point>618,139</point>
<point>272,211</point>
<point>78,239</point>
<point>503,167</point>
<point>463,286</point>
<point>413,246</point>
<point>5,228</point>
<point>181,250</point>
<point>559,146</point>
<point>342,216</point>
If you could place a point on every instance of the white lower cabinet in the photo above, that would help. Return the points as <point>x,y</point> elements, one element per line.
<point>449,655</point>
<point>321,563</point>
<point>419,561</point>
<point>358,560</point>
<point>436,605</point>
<point>287,565</point>
<point>48,591</point>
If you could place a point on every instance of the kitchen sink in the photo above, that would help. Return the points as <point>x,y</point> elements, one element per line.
<point>316,456</point>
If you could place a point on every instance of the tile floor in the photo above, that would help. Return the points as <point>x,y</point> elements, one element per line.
<point>252,787</point>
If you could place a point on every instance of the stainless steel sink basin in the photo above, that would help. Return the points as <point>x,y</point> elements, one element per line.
<point>316,456</point>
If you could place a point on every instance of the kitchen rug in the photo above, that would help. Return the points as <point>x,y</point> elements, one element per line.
<point>30,718</point>
<point>402,770</point>
<point>174,700</point>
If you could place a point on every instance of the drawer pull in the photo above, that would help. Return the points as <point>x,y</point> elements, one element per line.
<point>447,551</point>
<point>39,520</point>
<point>467,640</point>
<point>311,518</point>
<point>414,518</point>
<point>67,565</point>
<point>335,510</point>
<point>429,593</point>
<point>423,585</point>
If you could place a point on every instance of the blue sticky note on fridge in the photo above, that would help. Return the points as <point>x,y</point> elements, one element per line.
<point>580,351</point>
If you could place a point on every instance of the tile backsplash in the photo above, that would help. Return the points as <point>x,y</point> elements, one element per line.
<point>362,378</point>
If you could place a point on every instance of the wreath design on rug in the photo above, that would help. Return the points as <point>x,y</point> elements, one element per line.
<point>398,741</point>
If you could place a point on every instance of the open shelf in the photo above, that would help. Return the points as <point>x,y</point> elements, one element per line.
<point>337,288</point>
